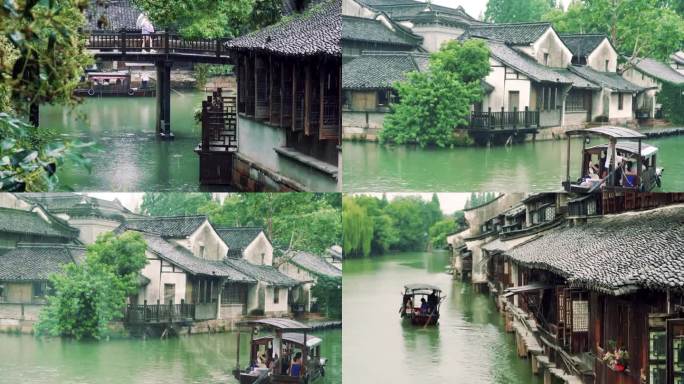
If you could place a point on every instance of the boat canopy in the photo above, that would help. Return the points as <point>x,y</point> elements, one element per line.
<point>629,147</point>
<point>277,323</point>
<point>609,131</point>
<point>422,287</point>
<point>295,338</point>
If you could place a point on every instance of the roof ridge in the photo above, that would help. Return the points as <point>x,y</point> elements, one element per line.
<point>511,24</point>
<point>166,217</point>
<point>48,245</point>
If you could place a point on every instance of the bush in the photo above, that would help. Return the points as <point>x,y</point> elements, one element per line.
<point>328,292</point>
<point>672,98</point>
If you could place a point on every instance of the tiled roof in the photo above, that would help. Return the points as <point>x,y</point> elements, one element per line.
<point>577,81</point>
<point>238,238</point>
<point>314,264</point>
<point>316,31</point>
<point>166,226</point>
<point>605,79</point>
<point>79,205</point>
<point>513,33</point>
<point>582,44</point>
<point>660,71</point>
<point>262,273</point>
<point>183,258</point>
<point>409,10</point>
<point>31,262</point>
<point>377,70</point>
<point>678,57</point>
<point>614,253</point>
<point>525,64</point>
<point>120,14</point>
<point>370,30</point>
<point>31,223</point>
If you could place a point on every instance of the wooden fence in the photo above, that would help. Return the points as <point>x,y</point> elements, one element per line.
<point>219,123</point>
<point>161,43</point>
<point>504,119</point>
<point>159,313</point>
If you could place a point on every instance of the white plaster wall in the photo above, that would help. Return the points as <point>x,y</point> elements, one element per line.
<point>499,96</point>
<point>155,289</point>
<point>353,8</point>
<point>639,78</point>
<point>292,270</point>
<point>282,306</point>
<point>90,229</point>
<point>260,246</point>
<point>435,36</point>
<point>597,98</point>
<point>597,59</point>
<point>523,87</point>
<point>205,235</point>
<point>626,112</point>
<point>8,200</point>
<point>559,55</point>
<point>479,268</point>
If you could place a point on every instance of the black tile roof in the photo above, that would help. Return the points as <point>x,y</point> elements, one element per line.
<point>605,79</point>
<point>371,30</point>
<point>31,223</point>
<point>316,31</point>
<point>581,45</point>
<point>262,273</point>
<point>678,57</point>
<point>380,70</point>
<point>659,70</point>
<point>614,253</point>
<point>79,205</point>
<point>120,14</point>
<point>183,258</point>
<point>525,64</point>
<point>409,10</point>
<point>34,262</point>
<point>314,264</point>
<point>165,226</point>
<point>238,238</point>
<point>513,33</point>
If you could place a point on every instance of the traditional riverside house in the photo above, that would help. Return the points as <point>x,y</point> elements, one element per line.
<point>306,268</point>
<point>288,102</point>
<point>251,252</point>
<point>368,83</point>
<point>24,274</point>
<point>375,32</point>
<point>651,74</point>
<point>186,265</point>
<point>90,215</point>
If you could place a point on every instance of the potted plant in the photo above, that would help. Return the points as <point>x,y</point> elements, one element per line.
<point>616,358</point>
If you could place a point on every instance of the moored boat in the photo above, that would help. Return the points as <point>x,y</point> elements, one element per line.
<point>118,83</point>
<point>622,164</point>
<point>420,304</point>
<point>288,354</point>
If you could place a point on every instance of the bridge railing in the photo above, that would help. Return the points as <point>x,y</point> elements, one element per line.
<point>504,119</point>
<point>159,313</point>
<point>160,43</point>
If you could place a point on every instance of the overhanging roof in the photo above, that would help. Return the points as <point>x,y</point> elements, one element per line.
<point>630,147</point>
<point>525,288</point>
<point>609,131</point>
<point>277,323</point>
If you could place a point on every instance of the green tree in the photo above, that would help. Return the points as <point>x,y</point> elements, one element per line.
<point>409,214</point>
<point>88,296</point>
<point>385,234</point>
<point>439,231</point>
<point>514,11</point>
<point>174,203</point>
<point>433,103</point>
<point>358,228</point>
<point>328,293</point>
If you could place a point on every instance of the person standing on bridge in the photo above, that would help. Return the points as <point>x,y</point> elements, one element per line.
<point>147,29</point>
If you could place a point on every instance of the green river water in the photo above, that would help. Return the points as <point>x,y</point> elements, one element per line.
<point>468,346</point>
<point>205,359</point>
<point>132,157</point>
<point>534,167</point>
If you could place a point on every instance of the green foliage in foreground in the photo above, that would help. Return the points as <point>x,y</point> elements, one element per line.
<point>88,295</point>
<point>433,103</point>
<point>328,292</point>
<point>30,155</point>
<point>374,226</point>
<point>303,221</point>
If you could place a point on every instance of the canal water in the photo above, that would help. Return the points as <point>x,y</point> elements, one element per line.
<point>534,167</point>
<point>468,346</point>
<point>205,359</point>
<point>132,157</point>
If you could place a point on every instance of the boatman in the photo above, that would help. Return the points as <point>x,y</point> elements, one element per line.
<point>433,300</point>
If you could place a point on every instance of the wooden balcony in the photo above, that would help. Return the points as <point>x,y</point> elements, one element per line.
<point>159,313</point>
<point>503,120</point>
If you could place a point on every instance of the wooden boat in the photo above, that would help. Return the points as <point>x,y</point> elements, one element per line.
<point>97,84</point>
<point>624,163</point>
<point>413,311</point>
<point>287,340</point>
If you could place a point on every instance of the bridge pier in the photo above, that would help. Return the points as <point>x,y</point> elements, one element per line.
<point>164,99</point>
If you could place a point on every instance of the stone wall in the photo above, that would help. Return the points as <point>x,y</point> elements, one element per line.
<point>231,311</point>
<point>250,176</point>
<point>363,125</point>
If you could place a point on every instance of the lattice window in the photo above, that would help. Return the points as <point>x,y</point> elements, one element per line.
<point>275,92</point>
<point>580,316</point>
<point>234,294</point>
<point>261,72</point>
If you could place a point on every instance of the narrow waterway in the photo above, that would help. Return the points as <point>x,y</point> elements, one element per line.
<point>204,359</point>
<point>468,346</point>
<point>534,167</point>
<point>132,157</point>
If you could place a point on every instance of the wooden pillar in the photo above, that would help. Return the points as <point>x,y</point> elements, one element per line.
<point>638,180</point>
<point>294,96</point>
<point>164,100</point>
<point>567,160</point>
<point>307,99</point>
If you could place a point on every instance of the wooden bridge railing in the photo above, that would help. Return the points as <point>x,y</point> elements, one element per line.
<point>504,119</point>
<point>159,313</point>
<point>161,43</point>
<point>219,123</point>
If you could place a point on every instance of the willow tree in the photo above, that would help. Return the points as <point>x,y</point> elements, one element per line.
<point>357,228</point>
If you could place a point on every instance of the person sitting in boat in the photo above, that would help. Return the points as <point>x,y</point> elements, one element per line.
<point>261,359</point>
<point>423,306</point>
<point>296,365</point>
<point>432,301</point>
<point>630,175</point>
<point>408,303</point>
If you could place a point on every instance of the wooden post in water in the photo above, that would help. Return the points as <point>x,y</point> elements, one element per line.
<point>567,161</point>
<point>144,314</point>
<point>638,181</point>
<point>157,310</point>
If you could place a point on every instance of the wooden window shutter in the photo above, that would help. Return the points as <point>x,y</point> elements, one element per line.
<point>249,86</point>
<point>330,112</point>
<point>298,96</point>
<point>312,100</point>
<point>261,71</point>
<point>275,92</point>
<point>286,80</point>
